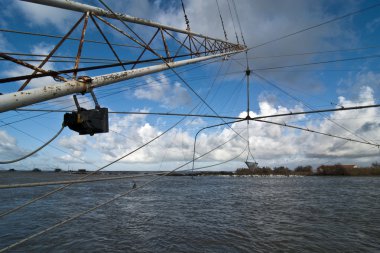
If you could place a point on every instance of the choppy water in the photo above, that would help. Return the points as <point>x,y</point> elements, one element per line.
<point>207,214</point>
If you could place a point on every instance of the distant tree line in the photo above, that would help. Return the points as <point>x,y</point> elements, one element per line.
<point>345,170</point>
<point>323,170</point>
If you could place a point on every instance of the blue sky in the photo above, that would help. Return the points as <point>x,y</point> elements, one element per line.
<point>220,82</point>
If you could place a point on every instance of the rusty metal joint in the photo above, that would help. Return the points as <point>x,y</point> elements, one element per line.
<point>87,81</point>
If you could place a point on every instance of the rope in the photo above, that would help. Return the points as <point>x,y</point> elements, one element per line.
<point>35,151</point>
<point>221,19</point>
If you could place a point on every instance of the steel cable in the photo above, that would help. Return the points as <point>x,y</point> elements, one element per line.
<point>35,151</point>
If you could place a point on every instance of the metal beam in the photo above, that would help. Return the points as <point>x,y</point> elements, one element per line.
<point>79,7</point>
<point>19,99</point>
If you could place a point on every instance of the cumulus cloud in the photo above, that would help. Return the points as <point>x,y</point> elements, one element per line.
<point>261,22</point>
<point>8,143</point>
<point>161,90</point>
<point>355,83</point>
<point>270,144</point>
<point>9,148</point>
<point>45,16</point>
<point>361,125</point>
<point>74,142</point>
<point>76,145</point>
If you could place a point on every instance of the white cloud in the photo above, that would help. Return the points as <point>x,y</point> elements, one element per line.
<point>354,84</point>
<point>74,142</point>
<point>77,146</point>
<point>45,16</point>
<point>7,142</point>
<point>9,148</point>
<point>260,22</point>
<point>161,90</point>
<point>269,144</point>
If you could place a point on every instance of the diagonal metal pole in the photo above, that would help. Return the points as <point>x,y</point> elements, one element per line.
<point>25,64</point>
<point>128,35</point>
<point>79,53</point>
<point>145,48</point>
<point>107,41</point>
<point>52,52</point>
<point>165,44</point>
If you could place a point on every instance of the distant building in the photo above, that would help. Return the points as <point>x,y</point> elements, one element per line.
<point>81,171</point>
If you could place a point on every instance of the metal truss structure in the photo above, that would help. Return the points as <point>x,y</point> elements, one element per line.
<point>170,46</point>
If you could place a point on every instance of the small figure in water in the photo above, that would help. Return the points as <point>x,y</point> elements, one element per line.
<point>134,185</point>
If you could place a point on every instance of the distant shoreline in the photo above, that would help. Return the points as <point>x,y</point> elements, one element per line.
<point>359,172</point>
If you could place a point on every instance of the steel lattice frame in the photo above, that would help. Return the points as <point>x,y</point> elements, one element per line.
<point>189,47</point>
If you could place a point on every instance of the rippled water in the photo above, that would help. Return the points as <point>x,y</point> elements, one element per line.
<point>206,214</point>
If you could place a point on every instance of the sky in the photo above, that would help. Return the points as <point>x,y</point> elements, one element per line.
<point>330,66</point>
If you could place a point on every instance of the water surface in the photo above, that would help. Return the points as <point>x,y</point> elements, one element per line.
<point>204,214</point>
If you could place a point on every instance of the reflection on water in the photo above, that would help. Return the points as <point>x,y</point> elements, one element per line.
<point>207,214</point>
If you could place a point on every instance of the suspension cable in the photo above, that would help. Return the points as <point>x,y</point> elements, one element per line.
<point>78,215</point>
<point>66,71</point>
<point>32,201</point>
<point>216,164</point>
<point>233,22</point>
<point>317,25</point>
<point>317,132</point>
<point>186,19</point>
<point>208,127</point>
<point>69,38</point>
<point>320,62</point>
<point>238,20</point>
<point>107,41</point>
<point>221,19</point>
<point>167,64</point>
<point>104,96</point>
<point>101,168</point>
<point>35,151</point>
<point>56,148</point>
<point>311,108</point>
<point>76,181</point>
